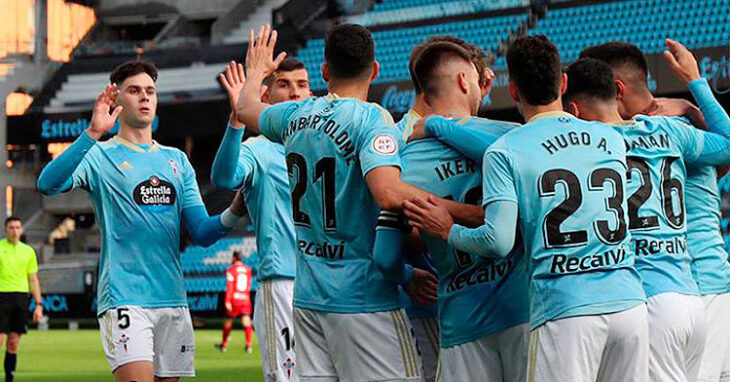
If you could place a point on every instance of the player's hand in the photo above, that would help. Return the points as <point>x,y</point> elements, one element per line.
<point>101,120</point>
<point>423,287</point>
<point>237,206</point>
<point>488,82</point>
<point>419,130</point>
<point>229,307</point>
<point>38,313</point>
<point>672,107</point>
<point>232,80</point>
<point>681,61</point>
<point>429,217</point>
<point>260,55</point>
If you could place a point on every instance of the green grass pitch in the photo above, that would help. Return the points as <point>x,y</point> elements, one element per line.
<point>64,356</point>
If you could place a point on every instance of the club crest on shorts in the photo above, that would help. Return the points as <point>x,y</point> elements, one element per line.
<point>123,341</point>
<point>288,366</point>
<point>385,144</point>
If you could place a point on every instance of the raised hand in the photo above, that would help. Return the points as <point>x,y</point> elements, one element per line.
<point>260,55</point>
<point>488,82</point>
<point>232,79</point>
<point>423,287</point>
<point>681,61</point>
<point>101,120</point>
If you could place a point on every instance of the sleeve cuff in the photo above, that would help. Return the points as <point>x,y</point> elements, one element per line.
<point>428,127</point>
<point>229,219</point>
<point>453,234</point>
<point>86,141</point>
<point>700,89</point>
<point>234,132</point>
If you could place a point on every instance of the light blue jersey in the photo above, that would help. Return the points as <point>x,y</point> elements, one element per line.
<point>414,309</point>
<point>710,266</point>
<point>568,178</point>
<point>138,196</point>
<point>658,148</point>
<point>477,296</point>
<point>266,191</point>
<point>331,143</point>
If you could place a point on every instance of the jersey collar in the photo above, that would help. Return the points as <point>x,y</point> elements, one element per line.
<point>414,114</point>
<point>154,147</point>
<point>550,114</point>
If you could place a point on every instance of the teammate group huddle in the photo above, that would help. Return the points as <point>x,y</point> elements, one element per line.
<point>583,245</point>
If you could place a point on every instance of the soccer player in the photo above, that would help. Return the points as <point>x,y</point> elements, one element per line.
<point>142,192</point>
<point>18,277</point>
<point>675,351</point>
<point>258,167</point>
<point>343,163</point>
<point>562,180</point>
<point>238,301</point>
<point>483,310</point>
<point>424,317</point>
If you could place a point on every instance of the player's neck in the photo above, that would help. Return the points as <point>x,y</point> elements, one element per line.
<point>607,113</point>
<point>138,136</point>
<point>13,241</point>
<point>450,107</point>
<point>529,111</point>
<point>350,89</point>
<point>420,106</point>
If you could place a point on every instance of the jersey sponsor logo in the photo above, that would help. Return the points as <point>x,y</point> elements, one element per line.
<point>562,264</point>
<point>488,273</point>
<point>155,193</point>
<point>648,247</point>
<point>385,144</point>
<point>324,250</point>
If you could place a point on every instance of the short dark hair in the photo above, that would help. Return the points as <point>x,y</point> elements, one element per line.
<point>533,64</point>
<point>431,58</point>
<point>11,219</point>
<point>349,51</point>
<point>132,68</point>
<point>237,255</point>
<point>289,64</point>
<point>590,77</point>
<point>618,54</point>
<point>477,57</point>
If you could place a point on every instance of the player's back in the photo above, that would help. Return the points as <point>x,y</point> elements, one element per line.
<point>656,198</point>
<point>266,192</point>
<point>331,144</point>
<point>569,177</point>
<point>240,275</point>
<point>477,296</point>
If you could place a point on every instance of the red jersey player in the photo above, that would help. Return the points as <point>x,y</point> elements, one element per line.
<point>238,301</point>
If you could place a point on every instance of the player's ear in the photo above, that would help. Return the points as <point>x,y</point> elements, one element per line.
<point>620,90</point>
<point>325,72</point>
<point>563,83</point>
<point>376,70</point>
<point>573,109</point>
<point>463,83</point>
<point>513,92</point>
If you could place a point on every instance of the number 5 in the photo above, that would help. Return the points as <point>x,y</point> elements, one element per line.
<point>123,318</point>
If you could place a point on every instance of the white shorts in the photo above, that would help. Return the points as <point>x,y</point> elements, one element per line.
<point>500,357</point>
<point>361,347</point>
<point>607,347</point>
<point>427,342</point>
<point>273,321</point>
<point>163,336</point>
<point>717,344</point>
<point>677,333</point>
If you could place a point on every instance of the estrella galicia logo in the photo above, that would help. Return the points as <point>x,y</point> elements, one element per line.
<point>155,194</point>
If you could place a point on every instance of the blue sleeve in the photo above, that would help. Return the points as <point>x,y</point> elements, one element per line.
<point>467,139</point>
<point>497,181</point>
<point>191,192</point>
<point>387,249</point>
<point>204,229</point>
<point>274,120</point>
<point>379,147</point>
<point>495,238</point>
<point>67,171</point>
<point>699,148</point>
<point>230,166</point>
<point>716,117</point>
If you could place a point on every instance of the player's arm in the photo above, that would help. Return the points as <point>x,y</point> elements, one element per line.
<point>57,176</point>
<point>260,63</point>
<point>500,200</point>
<point>470,141</point>
<point>35,287</point>
<point>206,229</point>
<point>390,192</point>
<point>390,231</point>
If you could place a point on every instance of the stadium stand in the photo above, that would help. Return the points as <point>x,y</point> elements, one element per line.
<point>392,47</point>
<point>398,11</point>
<point>696,24</point>
<point>204,267</point>
<point>262,15</point>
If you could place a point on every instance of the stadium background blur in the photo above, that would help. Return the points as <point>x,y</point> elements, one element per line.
<point>55,57</point>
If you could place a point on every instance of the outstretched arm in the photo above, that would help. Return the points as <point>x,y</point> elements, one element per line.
<point>206,229</point>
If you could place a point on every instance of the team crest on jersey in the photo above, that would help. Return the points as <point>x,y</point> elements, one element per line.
<point>123,341</point>
<point>385,144</point>
<point>173,165</point>
<point>155,194</point>
<point>288,366</point>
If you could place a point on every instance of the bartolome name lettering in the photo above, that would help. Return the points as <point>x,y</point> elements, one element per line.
<point>331,128</point>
